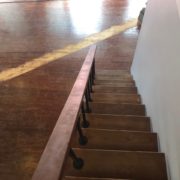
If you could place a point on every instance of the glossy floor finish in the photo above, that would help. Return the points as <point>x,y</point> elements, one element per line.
<point>30,104</point>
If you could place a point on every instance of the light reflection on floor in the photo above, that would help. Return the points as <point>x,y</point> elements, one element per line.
<point>84,15</point>
<point>49,23</point>
<point>6,20</point>
<point>134,8</point>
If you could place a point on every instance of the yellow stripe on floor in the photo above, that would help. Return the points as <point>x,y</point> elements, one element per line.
<point>55,55</point>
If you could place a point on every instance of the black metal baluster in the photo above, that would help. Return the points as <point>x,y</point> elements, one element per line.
<point>78,163</point>
<point>85,123</point>
<point>87,102</point>
<point>91,77</point>
<point>82,139</point>
<point>90,82</point>
<point>93,69</point>
<point>89,91</point>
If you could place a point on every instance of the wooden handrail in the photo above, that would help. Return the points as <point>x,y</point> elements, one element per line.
<point>50,166</point>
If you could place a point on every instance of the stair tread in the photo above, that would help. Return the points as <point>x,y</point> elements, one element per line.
<point>122,122</point>
<point>116,98</point>
<point>110,89</point>
<point>121,108</point>
<point>114,93</point>
<point>117,77</point>
<point>117,140</point>
<point>113,72</point>
<point>115,84</point>
<point>116,164</point>
<point>101,81</point>
<point>89,178</point>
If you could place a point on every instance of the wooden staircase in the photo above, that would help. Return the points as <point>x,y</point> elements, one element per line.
<point>120,144</point>
<point>103,132</point>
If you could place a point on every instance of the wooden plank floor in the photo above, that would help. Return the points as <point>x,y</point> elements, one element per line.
<point>31,103</point>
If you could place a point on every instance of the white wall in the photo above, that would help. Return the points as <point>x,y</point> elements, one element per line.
<point>156,70</point>
<point>178,5</point>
